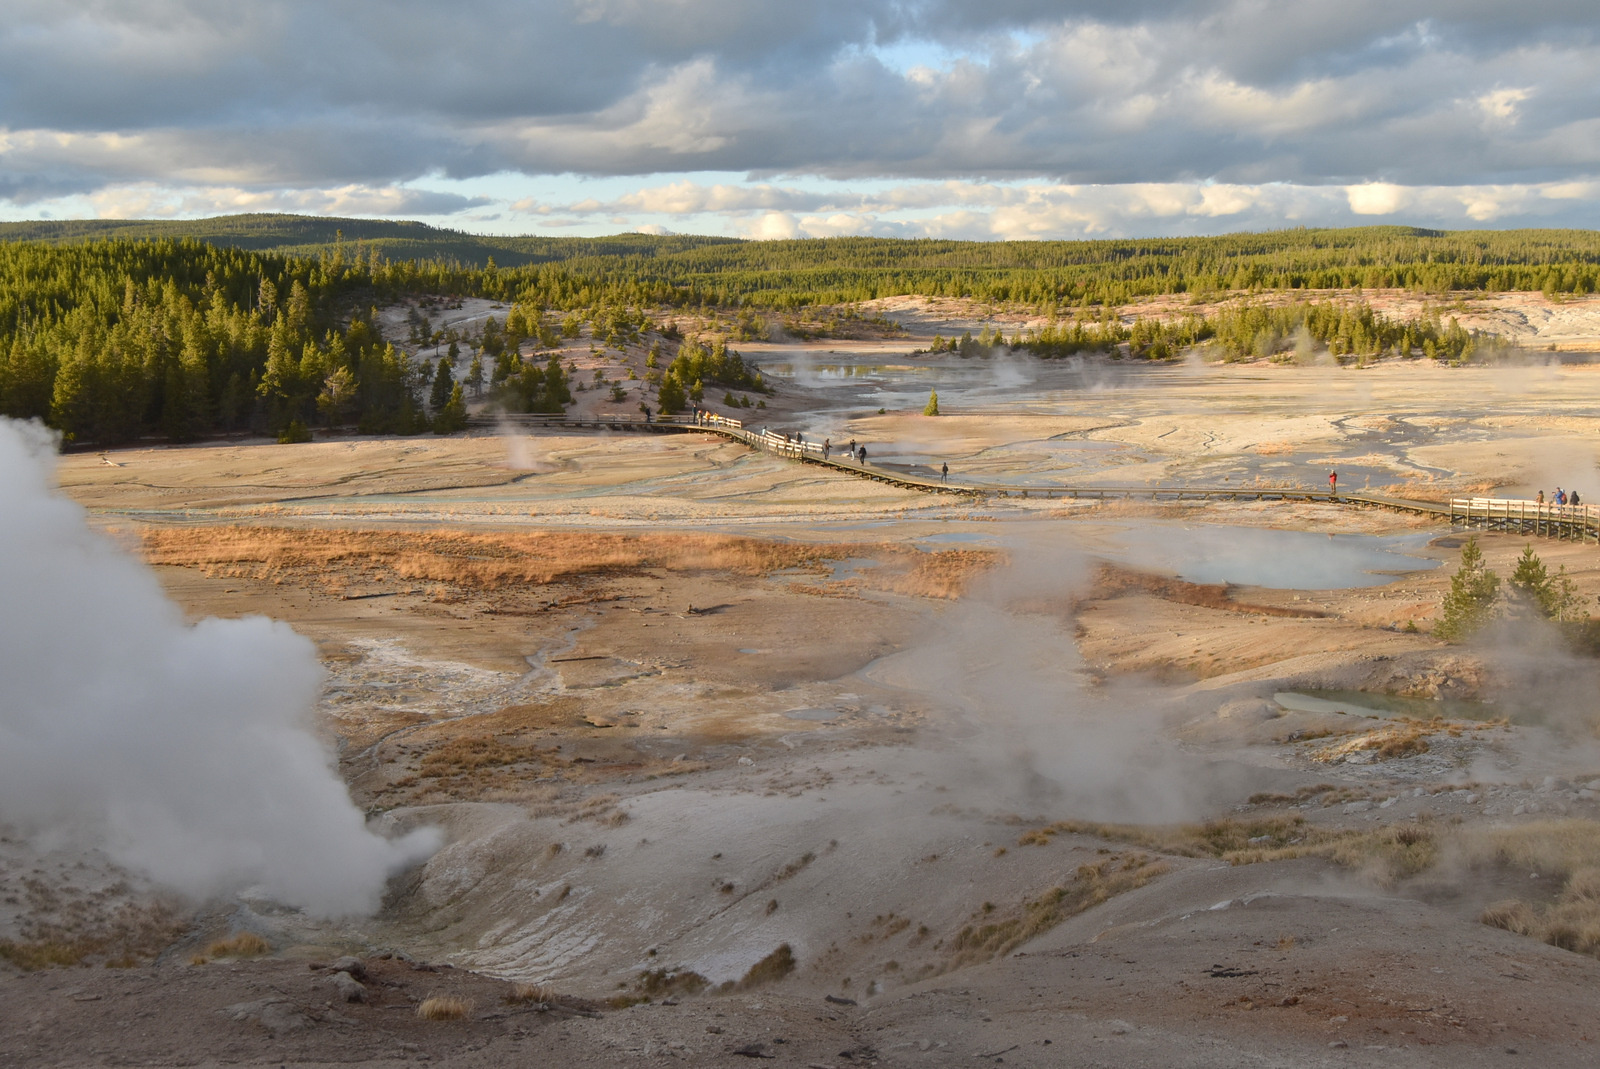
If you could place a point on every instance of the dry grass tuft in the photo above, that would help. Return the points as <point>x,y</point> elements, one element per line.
<point>1090,885</point>
<point>664,982</point>
<point>1387,854</point>
<point>439,560</point>
<point>945,574</point>
<point>239,945</point>
<point>770,969</point>
<point>85,931</point>
<point>530,994</point>
<point>1437,492</point>
<point>1563,852</point>
<point>1403,738</point>
<point>444,1008</point>
<point>43,954</point>
<point>1115,581</point>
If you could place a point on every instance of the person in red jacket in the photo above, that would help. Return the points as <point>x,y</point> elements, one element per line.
<point>1333,482</point>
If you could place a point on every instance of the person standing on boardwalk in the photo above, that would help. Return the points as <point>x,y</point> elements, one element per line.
<point>1540,499</point>
<point>861,454</point>
<point>827,447</point>
<point>944,472</point>
<point>1333,482</point>
<point>1561,496</point>
<point>1572,498</point>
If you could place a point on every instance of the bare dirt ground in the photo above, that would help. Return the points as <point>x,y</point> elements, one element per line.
<point>740,760</point>
<point>1532,320</point>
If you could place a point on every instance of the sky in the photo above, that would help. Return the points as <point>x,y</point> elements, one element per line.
<point>985,119</point>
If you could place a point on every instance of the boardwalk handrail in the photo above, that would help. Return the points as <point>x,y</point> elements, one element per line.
<point>1581,522</point>
<point>1543,518</point>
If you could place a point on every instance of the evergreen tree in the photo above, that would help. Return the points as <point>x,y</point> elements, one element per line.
<point>443,381</point>
<point>932,407</point>
<point>670,397</point>
<point>1535,589</point>
<point>338,391</point>
<point>452,415</point>
<point>1470,601</point>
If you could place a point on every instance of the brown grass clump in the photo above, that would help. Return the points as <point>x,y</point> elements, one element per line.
<point>85,932</point>
<point>1440,493</point>
<point>526,994</point>
<point>239,945</point>
<point>1115,581</point>
<point>664,982</point>
<point>945,574</point>
<point>1403,738</point>
<point>444,1008</point>
<point>1387,854</point>
<point>1090,885</point>
<point>1566,854</point>
<point>770,969</point>
<point>488,561</point>
<point>1300,795</point>
<point>45,954</point>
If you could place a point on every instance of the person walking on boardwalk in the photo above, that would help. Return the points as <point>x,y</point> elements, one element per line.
<point>861,454</point>
<point>1561,496</point>
<point>827,447</point>
<point>944,472</point>
<point>1333,483</point>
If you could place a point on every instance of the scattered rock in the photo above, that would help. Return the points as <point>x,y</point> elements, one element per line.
<point>1250,709</point>
<point>276,1015</point>
<point>350,989</point>
<point>351,965</point>
<point>753,1050</point>
<point>837,1001</point>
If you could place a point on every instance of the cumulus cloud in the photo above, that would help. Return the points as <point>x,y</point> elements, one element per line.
<point>291,95</point>
<point>1028,210</point>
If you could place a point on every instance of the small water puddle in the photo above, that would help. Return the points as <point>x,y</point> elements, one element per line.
<point>1385,706</point>
<point>1265,557</point>
<point>962,537</point>
<point>818,714</point>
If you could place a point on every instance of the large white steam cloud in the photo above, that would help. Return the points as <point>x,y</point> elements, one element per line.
<point>184,751</point>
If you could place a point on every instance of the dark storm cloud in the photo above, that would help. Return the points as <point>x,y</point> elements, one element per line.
<point>286,93</point>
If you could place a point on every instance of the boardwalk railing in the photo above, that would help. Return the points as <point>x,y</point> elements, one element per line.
<point>1580,522</point>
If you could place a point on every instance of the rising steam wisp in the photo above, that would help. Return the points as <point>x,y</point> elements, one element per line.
<point>184,750</point>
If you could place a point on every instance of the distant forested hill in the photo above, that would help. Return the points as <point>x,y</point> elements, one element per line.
<point>315,235</point>
<point>111,330</point>
<point>833,270</point>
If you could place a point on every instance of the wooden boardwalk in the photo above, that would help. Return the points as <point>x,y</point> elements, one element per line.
<point>1568,522</point>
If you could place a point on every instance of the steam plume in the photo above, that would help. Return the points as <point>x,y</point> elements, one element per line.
<point>184,751</point>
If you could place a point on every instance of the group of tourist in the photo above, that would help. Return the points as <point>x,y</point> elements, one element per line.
<point>852,452</point>
<point>1561,497</point>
